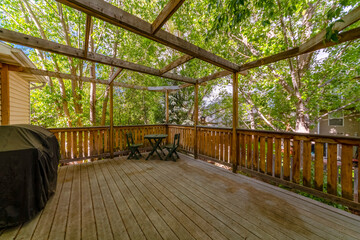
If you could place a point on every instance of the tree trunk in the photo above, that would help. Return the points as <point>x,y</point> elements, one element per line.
<point>252,118</point>
<point>104,106</point>
<point>64,102</point>
<point>302,118</point>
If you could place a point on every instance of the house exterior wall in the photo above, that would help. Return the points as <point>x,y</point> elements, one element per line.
<point>351,127</point>
<point>19,99</point>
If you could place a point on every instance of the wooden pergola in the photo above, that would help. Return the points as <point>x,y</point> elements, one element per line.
<point>118,17</point>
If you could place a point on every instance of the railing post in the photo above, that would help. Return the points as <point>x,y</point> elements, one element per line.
<point>111,137</point>
<point>5,95</point>
<point>234,148</point>
<point>196,118</point>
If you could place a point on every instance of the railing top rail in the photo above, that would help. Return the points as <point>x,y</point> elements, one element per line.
<point>102,127</point>
<point>299,135</point>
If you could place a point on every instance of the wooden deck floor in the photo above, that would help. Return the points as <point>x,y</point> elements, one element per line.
<point>188,199</point>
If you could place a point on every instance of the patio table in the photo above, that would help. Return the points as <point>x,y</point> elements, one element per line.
<point>155,141</point>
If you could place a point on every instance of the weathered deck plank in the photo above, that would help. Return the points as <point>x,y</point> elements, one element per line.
<point>187,199</point>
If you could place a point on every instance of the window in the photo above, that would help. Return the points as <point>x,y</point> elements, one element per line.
<point>336,119</point>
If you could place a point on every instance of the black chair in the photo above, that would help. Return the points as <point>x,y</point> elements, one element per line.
<point>171,148</point>
<point>134,148</point>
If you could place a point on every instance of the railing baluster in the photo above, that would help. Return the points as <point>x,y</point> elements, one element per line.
<point>262,154</point>
<point>269,156</point>
<point>346,171</point>
<point>62,145</point>
<point>86,143</point>
<point>74,144</point>
<point>277,157</point>
<point>80,140</point>
<point>68,144</point>
<point>307,164</point>
<point>256,153</point>
<point>296,162</point>
<point>106,141</point>
<point>319,166</point>
<point>286,167</point>
<point>243,150</point>
<point>332,169</point>
<point>248,151</point>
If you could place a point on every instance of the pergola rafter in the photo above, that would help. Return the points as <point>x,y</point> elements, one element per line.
<point>118,17</point>
<point>87,35</point>
<point>181,60</point>
<point>165,14</point>
<point>115,75</point>
<point>42,44</point>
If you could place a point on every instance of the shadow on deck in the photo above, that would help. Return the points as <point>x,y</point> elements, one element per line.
<point>187,199</point>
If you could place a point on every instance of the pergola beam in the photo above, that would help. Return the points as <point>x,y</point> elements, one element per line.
<point>347,20</point>
<point>40,72</point>
<point>181,60</point>
<point>343,37</point>
<point>87,35</point>
<point>165,14</point>
<point>38,43</point>
<point>118,17</point>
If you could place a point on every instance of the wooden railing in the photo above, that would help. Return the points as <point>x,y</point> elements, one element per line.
<point>186,136</point>
<point>93,142</point>
<point>321,162</point>
<point>322,165</point>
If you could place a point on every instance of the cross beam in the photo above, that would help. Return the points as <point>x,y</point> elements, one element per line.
<point>118,17</point>
<point>38,43</point>
<point>181,60</point>
<point>40,72</point>
<point>165,14</point>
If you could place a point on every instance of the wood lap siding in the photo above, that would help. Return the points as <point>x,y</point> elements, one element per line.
<point>19,100</point>
<point>0,101</point>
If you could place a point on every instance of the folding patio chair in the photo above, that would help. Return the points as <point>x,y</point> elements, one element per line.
<point>134,148</point>
<point>171,148</point>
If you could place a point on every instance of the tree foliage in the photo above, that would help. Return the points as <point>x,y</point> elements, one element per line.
<point>288,95</point>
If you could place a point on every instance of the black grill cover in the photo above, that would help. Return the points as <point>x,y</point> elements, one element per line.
<point>29,157</point>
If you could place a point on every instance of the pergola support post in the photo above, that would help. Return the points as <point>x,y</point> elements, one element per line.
<point>167,106</point>
<point>5,95</point>
<point>234,146</point>
<point>196,119</point>
<point>167,114</point>
<point>111,139</point>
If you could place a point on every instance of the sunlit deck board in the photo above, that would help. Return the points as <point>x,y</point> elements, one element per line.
<point>187,199</point>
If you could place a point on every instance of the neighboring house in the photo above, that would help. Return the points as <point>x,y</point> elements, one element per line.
<point>341,125</point>
<point>15,92</point>
<point>338,124</point>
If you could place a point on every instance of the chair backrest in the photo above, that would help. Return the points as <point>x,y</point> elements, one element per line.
<point>176,140</point>
<point>129,139</point>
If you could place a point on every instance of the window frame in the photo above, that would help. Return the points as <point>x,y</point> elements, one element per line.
<point>342,118</point>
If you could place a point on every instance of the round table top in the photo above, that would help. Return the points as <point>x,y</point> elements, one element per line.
<point>156,136</point>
